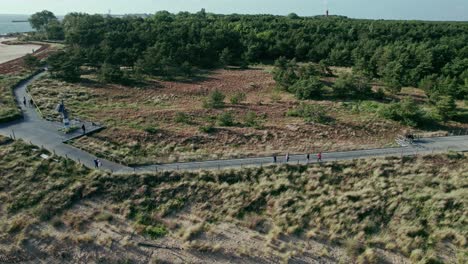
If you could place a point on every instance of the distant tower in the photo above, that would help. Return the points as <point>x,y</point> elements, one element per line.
<point>109,12</point>
<point>326,13</point>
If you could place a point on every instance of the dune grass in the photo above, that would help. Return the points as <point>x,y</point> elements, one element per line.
<point>414,206</point>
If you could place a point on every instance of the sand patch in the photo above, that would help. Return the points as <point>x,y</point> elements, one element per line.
<point>11,52</point>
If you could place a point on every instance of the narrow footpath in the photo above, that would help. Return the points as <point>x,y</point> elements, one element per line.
<point>35,130</point>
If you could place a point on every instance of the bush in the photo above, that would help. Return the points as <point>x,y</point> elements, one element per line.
<point>110,73</point>
<point>238,98</point>
<point>207,129</point>
<point>352,87</point>
<point>215,100</point>
<point>182,118</point>
<point>310,113</point>
<point>226,119</point>
<point>307,89</point>
<point>406,112</point>
<point>151,130</point>
<point>252,120</point>
<point>156,231</point>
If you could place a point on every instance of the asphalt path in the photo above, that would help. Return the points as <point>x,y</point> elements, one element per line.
<point>35,130</point>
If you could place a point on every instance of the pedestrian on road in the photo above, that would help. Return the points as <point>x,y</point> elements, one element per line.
<point>308,157</point>
<point>99,163</point>
<point>24,101</point>
<point>96,163</point>
<point>274,158</point>
<point>319,157</point>
<point>287,157</point>
<point>31,103</point>
<point>83,127</point>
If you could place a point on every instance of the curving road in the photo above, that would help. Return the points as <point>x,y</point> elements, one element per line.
<point>32,128</point>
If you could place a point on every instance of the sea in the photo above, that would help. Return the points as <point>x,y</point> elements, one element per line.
<point>7,25</point>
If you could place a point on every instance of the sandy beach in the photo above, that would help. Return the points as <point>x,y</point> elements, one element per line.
<point>11,52</point>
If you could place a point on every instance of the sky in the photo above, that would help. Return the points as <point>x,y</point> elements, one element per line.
<point>375,9</point>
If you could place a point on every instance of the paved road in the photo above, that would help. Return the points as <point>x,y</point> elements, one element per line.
<point>32,128</point>
<point>46,134</point>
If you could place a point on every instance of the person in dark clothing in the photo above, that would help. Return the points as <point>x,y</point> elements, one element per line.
<point>84,129</point>
<point>31,103</point>
<point>24,101</point>
<point>274,158</point>
<point>287,157</point>
<point>308,157</point>
<point>96,163</point>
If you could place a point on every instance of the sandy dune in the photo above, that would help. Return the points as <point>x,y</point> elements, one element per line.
<point>11,52</point>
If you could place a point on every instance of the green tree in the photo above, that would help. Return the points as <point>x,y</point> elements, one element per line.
<point>40,20</point>
<point>110,73</point>
<point>352,86</point>
<point>54,30</point>
<point>306,89</point>
<point>446,107</point>
<point>65,66</point>
<point>225,58</point>
<point>284,72</point>
<point>406,112</point>
<point>393,75</point>
<point>31,62</point>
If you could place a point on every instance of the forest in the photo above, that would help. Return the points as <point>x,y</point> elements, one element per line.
<point>429,55</point>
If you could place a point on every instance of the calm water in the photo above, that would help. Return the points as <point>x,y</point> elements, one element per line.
<point>6,26</point>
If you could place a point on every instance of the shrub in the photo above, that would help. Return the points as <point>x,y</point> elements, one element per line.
<point>151,130</point>
<point>226,119</point>
<point>182,118</point>
<point>156,231</point>
<point>354,248</point>
<point>110,73</point>
<point>352,86</point>
<point>238,98</point>
<point>215,100</point>
<point>310,113</point>
<point>369,257</point>
<point>307,89</point>
<point>207,128</point>
<point>406,112</point>
<point>252,120</point>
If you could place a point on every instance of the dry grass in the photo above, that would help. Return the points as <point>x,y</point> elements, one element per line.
<point>364,211</point>
<point>145,127</point>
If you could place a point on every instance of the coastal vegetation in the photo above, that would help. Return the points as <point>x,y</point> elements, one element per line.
<point>407,209</point>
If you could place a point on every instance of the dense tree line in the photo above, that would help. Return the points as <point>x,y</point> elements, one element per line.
<point>427,54</point>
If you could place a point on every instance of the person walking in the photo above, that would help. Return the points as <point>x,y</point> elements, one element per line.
<point>308,157</point>
<point>24,101</point>
<point>274,158</point>
<point>99,163</point>
<point>31,103</point>
<point>319,157</point>
<point>287,157</point>
<point>83,127</point>
<point>96,163</point>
